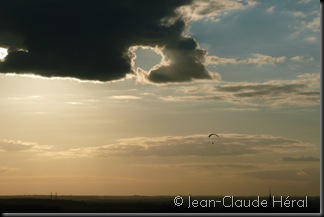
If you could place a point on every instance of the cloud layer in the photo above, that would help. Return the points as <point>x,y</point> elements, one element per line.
<point>18,145</point>
<point>90,40</point>
<point>211,9</point>
<point>194,145</point>
<point>303,91</point>
<point>258,59</point>
<point>303,159</point>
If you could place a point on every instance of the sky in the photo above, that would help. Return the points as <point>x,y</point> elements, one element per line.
<point>119,97</point>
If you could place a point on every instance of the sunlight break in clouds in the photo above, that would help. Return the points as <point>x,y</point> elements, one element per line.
<point>3,53</point>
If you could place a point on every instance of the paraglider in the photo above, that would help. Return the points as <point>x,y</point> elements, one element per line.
<point>213,134</point>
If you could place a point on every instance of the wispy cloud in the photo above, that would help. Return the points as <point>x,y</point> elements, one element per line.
<point>7,169</point>
<point>211,10</point>
<point>33,97</point>
<point>194,145</point>
<point>126,97</point>
<point>294,13</point>
<point>303,91</point>
<point>314,24</point>
<point>311,39</point>
<point>75,103</point>
<point>257,59</point>
<point>270,10</point>
<point>18,145</point>
<point>304,1</point>
<point>307,158</point>
<point>301,59</point>
<point>307,26</point>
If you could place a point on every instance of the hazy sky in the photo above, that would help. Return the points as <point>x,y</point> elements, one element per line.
<point>119,97</point>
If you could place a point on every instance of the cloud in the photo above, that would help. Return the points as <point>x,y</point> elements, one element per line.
<point>91,40</point>
<point>302,91</point>
<point>297,59</point>
<point>257,59</point>
<point>194,145</point>
<point>302,59</point>
<point>75,103</point>
<point>311,39</point>
<point>244,166</point>
<point>297,14</point>
<point>191,98</point>
<point>307,26</point>
<point>211,9</point>
<point>7,169</point>
<point>215,60</point>
<point>185,58</point>
<point>126,97</point>
<point>314,24</point>
<point>304,1</point>
<point>206,168</point>
<point>262,89</point>
<point>27,98</point>
<point>308,158</point>
<point>270,10</point>
<point>18,145</point>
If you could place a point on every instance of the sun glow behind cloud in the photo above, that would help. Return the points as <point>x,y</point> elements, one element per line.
<point>3,53</point>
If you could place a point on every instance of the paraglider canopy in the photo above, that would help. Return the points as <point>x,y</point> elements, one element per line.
<point>213,134</point>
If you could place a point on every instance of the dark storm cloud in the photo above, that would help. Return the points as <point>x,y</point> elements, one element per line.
<point>89,39</point>
<point>186,59</point>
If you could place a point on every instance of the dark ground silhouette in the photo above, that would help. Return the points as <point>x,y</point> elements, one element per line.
<point>138,204</point>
